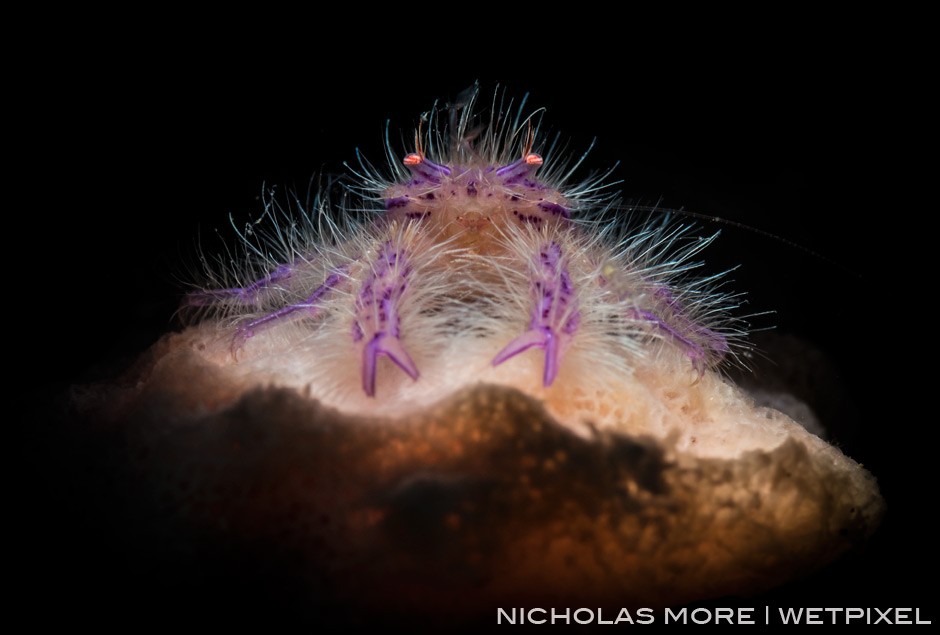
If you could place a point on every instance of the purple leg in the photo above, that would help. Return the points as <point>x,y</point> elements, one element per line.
<point>377,315</point>
<point>246,295</point>
<point>697,340</point>
<point>311,305</point>
<point>555,316</point>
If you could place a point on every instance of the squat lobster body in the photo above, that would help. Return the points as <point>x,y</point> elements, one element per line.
<point>471,206</point>
<point>474,234</point>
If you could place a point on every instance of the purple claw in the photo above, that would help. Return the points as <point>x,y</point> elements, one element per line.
<point>555,314</point>
<point>391,347</point>
<point>534,337</point>
<point>543,338</point>
<point>377,315</point>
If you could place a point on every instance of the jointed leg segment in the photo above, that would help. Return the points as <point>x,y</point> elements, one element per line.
<point>245,295</point>
<point>555,316</point>
<point>311,305</point>
<point>697,340</point>
<point>378,323</point>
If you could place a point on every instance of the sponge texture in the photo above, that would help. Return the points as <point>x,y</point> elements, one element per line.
<point>652,490</point>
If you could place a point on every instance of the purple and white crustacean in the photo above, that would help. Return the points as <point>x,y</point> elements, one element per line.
<point>471,228</point>
<point>468,380</point>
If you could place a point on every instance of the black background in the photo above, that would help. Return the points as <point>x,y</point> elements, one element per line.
<point>139,164</point>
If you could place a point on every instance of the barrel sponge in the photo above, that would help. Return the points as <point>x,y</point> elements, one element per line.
<point>654,489</point>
